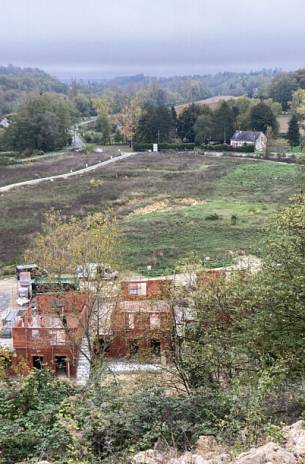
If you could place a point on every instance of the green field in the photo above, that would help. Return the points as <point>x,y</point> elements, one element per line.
<point>230,222</point>
<point>169,206</point>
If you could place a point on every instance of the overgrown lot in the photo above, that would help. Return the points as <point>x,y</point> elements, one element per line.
<point>168,206</point>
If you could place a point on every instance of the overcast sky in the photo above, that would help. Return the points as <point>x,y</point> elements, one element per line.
<point>106,38</point>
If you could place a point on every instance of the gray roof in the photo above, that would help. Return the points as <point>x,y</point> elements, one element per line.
<point>246,136</point>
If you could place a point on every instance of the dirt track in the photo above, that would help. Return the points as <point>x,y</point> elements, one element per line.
<point>85,170</point>
<point>56,164</point>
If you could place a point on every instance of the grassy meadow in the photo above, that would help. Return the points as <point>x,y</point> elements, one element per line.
<point>169,206</point>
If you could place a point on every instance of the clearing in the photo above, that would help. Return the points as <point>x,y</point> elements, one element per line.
<point>212,102</point>
<point>169,206</point>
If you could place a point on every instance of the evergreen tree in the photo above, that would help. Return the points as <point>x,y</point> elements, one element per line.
<point>294,131</point>
<point>282,88</point>
<point>186,122</point>
<point>155,124</point>
<point>204,126</point>
<point>224,123</point>
<point>262,117</point>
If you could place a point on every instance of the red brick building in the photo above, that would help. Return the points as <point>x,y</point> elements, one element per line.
<point>141,321</point>
<point>49,333</point>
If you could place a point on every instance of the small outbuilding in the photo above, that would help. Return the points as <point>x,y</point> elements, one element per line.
<point>254,138</point>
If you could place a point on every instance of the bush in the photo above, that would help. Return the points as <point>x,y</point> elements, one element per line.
<point>93,137</point>
<point>28,412</point>
<point>143,418</point>
<point>164,146</point>
<point>223,147</point>
<point>234,219</point>
<point>212,217</point>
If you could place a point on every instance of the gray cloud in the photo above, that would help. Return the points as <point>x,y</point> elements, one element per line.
<point>98,37</point>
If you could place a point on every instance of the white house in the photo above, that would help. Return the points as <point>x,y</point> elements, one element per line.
<point>242,138</point>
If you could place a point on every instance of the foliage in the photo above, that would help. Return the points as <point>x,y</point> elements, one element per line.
<point>186,122</point>
<point>63,243</point>
<point>155,124</point>
<point>239,358</point>
<point>178,89</point>
<point>128,118</point>
<point>281,89</point>
<point>28,417</point>
<point>262,117</point>
<point>84,105</point>
<point>224,123</point>
<point>204,126</point>
<point>294,131</point>
<point>5,361</point>
<point>298,103</point>
<point>85,247</point>
<point>16,83</point>
<point>42,123</point>
<point>103,128</point>
<point>228,148</point>
<point>279,301</point>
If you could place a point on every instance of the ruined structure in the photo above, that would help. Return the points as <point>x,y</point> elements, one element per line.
<point>49,332</point>
<point>141,322</point>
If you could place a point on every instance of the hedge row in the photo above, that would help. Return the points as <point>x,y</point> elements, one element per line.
<point>222,147</point>
<point>164,146</point>
<point>191,146</point>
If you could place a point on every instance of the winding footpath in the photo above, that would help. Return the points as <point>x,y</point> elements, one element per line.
<point>94,167</point>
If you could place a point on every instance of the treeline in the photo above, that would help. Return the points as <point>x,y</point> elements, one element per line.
<point>182,89</point>
<point>201,125</point>
<point>282,88</point>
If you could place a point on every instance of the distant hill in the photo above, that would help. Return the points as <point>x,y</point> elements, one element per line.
<point>16,83</point>
<point>181,89</point>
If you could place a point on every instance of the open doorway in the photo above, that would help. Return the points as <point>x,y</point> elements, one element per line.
<point>61,366</point>
<point>102,345</point>
<point>37,362</point>
<point>155,347</point>
<point>133,347</point>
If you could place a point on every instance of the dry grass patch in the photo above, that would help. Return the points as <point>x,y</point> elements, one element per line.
<point>166,205</point>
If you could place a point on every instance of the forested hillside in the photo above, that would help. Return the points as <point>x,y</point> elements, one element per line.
<point>183,89</point>
<point>16,83</point>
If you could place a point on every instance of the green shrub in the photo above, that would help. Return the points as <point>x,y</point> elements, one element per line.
<point>28,410</point>
<point>212,217</point>
<point>234,219</point>
<point>228,148</point>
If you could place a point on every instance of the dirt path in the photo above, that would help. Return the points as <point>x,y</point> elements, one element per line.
<point>94,167</point>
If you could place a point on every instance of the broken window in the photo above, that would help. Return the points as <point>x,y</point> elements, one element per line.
<point>133,347</point>
<point>57,337</point>
<point>154,321</point>
<point>37,362</point>
<point>131,321</point>
<point>137,288</point>
<point>61,367</point>
<point>155,347</point>
<point>102,345</point>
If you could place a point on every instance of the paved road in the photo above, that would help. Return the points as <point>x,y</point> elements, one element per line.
<point>77,141</point>
<point>94,167</point>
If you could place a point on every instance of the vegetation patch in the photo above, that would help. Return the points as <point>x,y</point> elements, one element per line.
<point>189,188</point>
